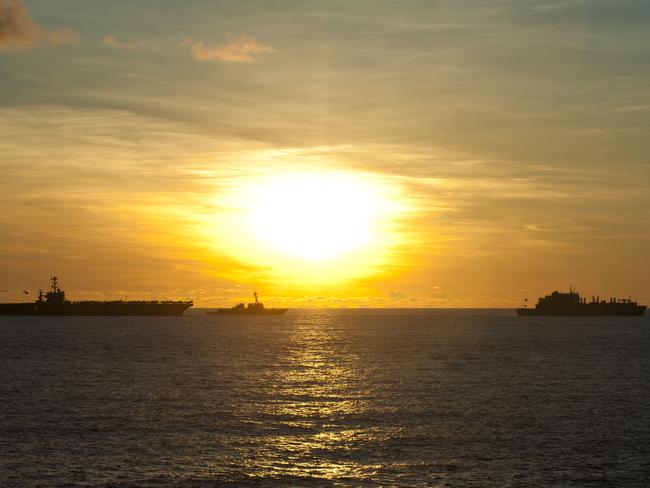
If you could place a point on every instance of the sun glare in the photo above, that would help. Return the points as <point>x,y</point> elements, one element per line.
<point>314,217</point>
<point>319,226</point>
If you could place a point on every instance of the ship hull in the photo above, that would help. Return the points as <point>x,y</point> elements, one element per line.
<point>117,308</point>
<point>266,311</point>
<point>587,310</point>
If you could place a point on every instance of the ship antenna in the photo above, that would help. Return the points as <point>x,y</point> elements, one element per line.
<point>55,284</point>
<point>255,295</point>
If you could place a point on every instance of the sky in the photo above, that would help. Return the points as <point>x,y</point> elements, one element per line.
<point>490,151</point>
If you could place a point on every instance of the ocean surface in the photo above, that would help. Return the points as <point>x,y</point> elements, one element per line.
<point>441,398</point>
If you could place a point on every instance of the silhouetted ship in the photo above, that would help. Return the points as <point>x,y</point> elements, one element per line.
<point>558,303</point>
<point>255,308</point>
<point>54,303</point>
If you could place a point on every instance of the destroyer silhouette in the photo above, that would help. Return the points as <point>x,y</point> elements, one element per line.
<point>255,308</point>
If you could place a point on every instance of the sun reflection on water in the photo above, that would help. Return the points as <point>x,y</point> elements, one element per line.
<point>320,399</point>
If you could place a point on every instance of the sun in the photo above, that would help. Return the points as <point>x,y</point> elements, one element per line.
<point>318,226</point>
<point>315,216</point>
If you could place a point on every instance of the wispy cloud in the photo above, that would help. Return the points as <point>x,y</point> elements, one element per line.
<point>112,41</point>
<point>64,35</point>
<point>239,49</point>
<point>19,31</point>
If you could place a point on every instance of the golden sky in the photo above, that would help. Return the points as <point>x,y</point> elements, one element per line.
<point>325,153</point>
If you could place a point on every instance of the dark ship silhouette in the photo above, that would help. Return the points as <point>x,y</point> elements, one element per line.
<point>559,303</point>
<point>54,303</point>
<point>255,308</point>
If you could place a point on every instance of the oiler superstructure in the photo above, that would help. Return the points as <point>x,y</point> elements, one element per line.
<point>54,302</point>
<point>571,303</point>
<point>253,308</point>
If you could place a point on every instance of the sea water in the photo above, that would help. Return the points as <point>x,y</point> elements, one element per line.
<point>459,398</point>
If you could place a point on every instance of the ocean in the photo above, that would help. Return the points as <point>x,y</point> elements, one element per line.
<point>436,398</point>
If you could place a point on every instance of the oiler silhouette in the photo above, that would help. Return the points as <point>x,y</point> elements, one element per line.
<point>559,303</point>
